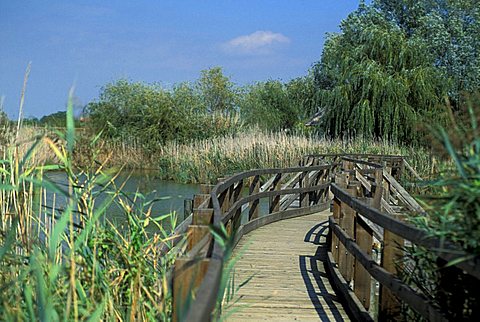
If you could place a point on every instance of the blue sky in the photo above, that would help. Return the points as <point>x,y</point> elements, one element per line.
<point>91,43</point>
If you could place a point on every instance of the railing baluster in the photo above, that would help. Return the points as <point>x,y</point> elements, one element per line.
<point>337,210</point>
<point>377,196</point>
<point>304,183</point>
<point>347,219</point>
<point>253,206</point>
<point>237,192</point>
<point>392,255</point>
<point>275,201</point>
<point>362,280</point>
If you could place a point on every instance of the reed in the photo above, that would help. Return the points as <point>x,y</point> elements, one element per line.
<point>59,258</point>
<point>206,160</point>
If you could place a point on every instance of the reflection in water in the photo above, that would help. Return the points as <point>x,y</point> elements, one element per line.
<point>171,195</point>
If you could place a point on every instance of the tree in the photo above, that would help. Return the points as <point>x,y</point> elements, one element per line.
<point>375,81</point>
<point>5,129</point>
<point>268,106</point>
<point>57,119</point>
<point>152,115</point>
<point>217,91</point>
<point>4,121</point>
<point>450,30</point>
<point>136,111</point>
<point>301,92</point>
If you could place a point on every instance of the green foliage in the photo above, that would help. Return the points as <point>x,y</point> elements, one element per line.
<point>267,105</point>
<point>5,128</point>
<point>152,115</point>
<point>301,92</point>
<point>450,32</point>
<point>4,121</point>
<point>455,208</point>
<point>274,106</point>
<point>134,110</point>
<point>54,120</point>
<point>68,264</point>
<point>374,81</point>
<point>217,92</point>
<point>453,214</point>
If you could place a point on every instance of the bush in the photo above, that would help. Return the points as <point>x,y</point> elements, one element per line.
<point>151,115</point>
<point>275,106</point>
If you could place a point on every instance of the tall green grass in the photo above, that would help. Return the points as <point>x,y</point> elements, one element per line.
<point>67,263</point>
<point>452,214</point>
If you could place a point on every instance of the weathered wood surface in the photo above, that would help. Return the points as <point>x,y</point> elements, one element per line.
<point>285,264</point>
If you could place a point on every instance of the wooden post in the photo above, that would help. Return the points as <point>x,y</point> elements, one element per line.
<point>237,192</point>
<point>391,258</point>
<point>202,216</point>
<point>341,180</point>
<point>275,201</point>
<point>337,210</point>
<point>187,208</point>
<point>347,219</point>
<point>199,199</point>
<point>206,188</point>
<point>187,276</point>
<point>347,165</point>
<point>362,279</point>
<point>253,206</point>
<point>386,192</point>
<point>195,233</point>
<point>377,196</point>
<point>304,183</point>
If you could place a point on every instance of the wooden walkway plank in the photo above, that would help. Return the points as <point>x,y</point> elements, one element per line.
<point>285,264</point>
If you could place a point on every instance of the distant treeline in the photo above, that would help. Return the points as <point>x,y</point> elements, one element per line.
<point>211,106</point>
<point>395,67</point>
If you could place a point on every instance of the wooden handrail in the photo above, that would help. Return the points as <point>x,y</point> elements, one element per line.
<point>367,198</point>
<point>442,248</point>
<point>354,221</point>
<point>227,207</point>
<point>417,301</point>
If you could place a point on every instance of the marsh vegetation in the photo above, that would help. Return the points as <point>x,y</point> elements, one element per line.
<point>392,80</point>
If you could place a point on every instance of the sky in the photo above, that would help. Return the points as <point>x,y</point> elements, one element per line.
<point>87,44</point>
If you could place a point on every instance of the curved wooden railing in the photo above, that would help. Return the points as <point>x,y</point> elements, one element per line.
<point>367,206</point>
<point>290,192</point>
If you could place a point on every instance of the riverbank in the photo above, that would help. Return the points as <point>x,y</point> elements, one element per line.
<point>203,161</point>
<point>58,258</point>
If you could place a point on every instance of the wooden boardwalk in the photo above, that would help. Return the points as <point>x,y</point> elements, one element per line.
<point>285,264</point>
<point>281,266</point>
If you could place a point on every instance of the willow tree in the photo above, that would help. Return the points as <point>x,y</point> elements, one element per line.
<point>451,32</point>
<point>375,81</point>
<point>268,106</point>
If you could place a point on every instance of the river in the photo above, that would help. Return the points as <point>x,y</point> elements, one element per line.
<point>170,195</point>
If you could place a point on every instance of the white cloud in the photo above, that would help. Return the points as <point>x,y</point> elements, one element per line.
<point>259,42</point>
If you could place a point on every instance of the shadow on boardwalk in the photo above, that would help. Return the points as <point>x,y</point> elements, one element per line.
<point>314,277</point>
<point>287,281</point>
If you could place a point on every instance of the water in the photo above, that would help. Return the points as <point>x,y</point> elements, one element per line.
<point>171,194</point>
<point>171,197</point>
